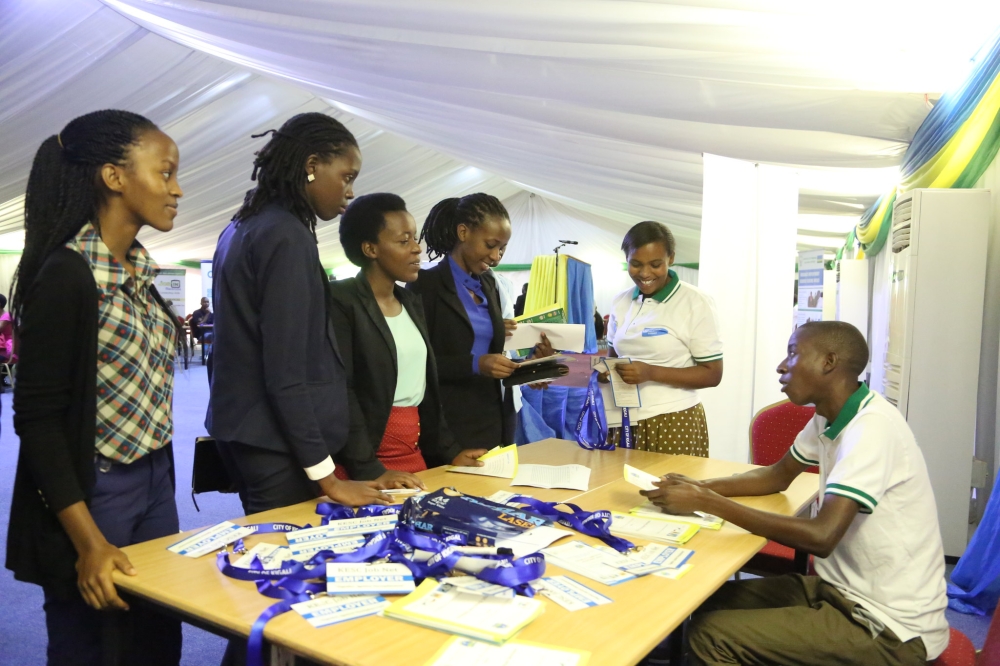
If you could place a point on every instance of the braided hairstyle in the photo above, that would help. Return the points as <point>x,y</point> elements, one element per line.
<point>441,227</point>
<point>279,167</point>
<point>64,190</point>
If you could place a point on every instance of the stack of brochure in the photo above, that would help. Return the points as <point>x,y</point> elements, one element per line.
<point>450,609</point>
<point>653,529</point>
<point>705,520</point>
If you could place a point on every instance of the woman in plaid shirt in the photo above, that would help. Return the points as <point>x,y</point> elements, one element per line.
<point>95,468</point>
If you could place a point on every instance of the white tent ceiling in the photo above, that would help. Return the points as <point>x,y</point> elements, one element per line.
<point>602,105</point>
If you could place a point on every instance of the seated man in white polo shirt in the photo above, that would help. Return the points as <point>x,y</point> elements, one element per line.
<point>879,597</point>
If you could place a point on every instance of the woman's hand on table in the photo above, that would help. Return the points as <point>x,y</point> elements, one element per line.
<point>470,458</point>
<point>496,366</point>
<point>94,568</point>
<point>353,493</point>
<point>395,479</point>
<point>678,494</point>
<point>509,326</point>
<point>635,372</point>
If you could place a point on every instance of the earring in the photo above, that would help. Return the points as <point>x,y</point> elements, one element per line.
<point>310,178</point>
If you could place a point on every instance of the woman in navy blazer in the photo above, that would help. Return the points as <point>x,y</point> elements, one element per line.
<point>392,379</point>
<point>278,407</point>
<point>464,319</point>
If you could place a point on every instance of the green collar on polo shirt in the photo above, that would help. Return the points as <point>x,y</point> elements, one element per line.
<point>847,413</point>
<point>665,292</point>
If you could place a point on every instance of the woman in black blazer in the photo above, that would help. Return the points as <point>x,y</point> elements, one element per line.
<point>464,319</point>
<point>395,409</point>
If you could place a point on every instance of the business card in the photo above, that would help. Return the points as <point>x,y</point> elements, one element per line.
<point>210,540</point>
<point>346,527</point>
<point>361,578</point>
<point>304,551</point>
<point>571,595</point>
<point>324,611</point>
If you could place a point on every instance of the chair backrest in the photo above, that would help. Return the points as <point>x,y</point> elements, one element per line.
<point>990,656</point>
<point>773,431</point>
<point>960,651</point>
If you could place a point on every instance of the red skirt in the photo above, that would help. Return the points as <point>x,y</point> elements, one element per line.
<point>398,449</point>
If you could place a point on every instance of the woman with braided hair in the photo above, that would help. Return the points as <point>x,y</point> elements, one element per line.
<point>464,320</point>
<point>279,408</point>
<point>95,381</point>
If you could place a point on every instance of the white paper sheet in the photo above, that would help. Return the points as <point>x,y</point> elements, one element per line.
<point>500,462</point>
<point>465,651</point>
<point>625,395</point>
<point>533,540</point>
<point>588,561</point>
<point>564,337</point>
<point>637,477</point>
<point>572,477</point>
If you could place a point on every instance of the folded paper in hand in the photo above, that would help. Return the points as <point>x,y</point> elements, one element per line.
<point>564,337</point>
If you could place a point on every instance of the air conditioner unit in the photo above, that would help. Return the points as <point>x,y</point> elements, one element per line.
<point>937,260</point>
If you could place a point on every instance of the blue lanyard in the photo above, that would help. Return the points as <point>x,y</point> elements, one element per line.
<point>592,523</point>
<point>592,424</point>
<point>295,582</point>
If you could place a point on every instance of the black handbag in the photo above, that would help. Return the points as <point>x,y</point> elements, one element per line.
<point>209,473</point>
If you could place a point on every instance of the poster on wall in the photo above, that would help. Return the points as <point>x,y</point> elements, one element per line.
<point>206,280</point>
<point>170,283</point>
<point>810,307</point>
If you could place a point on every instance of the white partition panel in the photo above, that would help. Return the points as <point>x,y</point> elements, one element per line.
<point>747,264</point>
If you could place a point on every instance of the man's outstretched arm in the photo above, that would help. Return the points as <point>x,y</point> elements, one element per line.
<point>817,536</point>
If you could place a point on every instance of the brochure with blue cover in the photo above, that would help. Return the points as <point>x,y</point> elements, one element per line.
<point>482,522</point>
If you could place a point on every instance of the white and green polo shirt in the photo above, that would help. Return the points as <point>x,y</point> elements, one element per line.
<point>676,327</point>
<point>890,560</point>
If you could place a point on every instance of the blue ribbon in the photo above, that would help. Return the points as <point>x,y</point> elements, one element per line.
<point>295,582</point>
<point>592,523</point>
<point>625,441</point>
<point>255,644</point>
<point>592,424</point>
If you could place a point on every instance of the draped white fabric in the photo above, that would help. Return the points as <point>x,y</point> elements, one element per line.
<point>602,106</point>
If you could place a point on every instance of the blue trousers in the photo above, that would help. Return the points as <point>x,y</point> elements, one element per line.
<point>131,504</point>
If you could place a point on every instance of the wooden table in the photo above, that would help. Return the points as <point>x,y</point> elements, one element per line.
<point>643,613</point>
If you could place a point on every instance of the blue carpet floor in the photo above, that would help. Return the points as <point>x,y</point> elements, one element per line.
<point>22,625</point>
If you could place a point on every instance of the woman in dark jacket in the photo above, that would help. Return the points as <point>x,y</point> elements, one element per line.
<point>395,408</point>
<point>464,319</point>
<point>95,381</point>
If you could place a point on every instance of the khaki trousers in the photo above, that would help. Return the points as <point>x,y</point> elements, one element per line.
<point>794,620</point>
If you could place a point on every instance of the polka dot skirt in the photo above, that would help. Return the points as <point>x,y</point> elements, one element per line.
<point>684,432</point>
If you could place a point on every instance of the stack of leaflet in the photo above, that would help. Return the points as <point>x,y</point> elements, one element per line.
<point>623,524</point>
<point>500,462</point>
<point>444,607</point>
<point>606,565</point>
<point>699,518</point>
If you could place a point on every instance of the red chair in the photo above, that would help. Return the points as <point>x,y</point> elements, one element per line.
<point>960,651</point>
<point>990,655</point>
<point>772,432</point>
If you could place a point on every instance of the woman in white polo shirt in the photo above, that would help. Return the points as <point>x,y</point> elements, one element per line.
<point>669,330</point>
